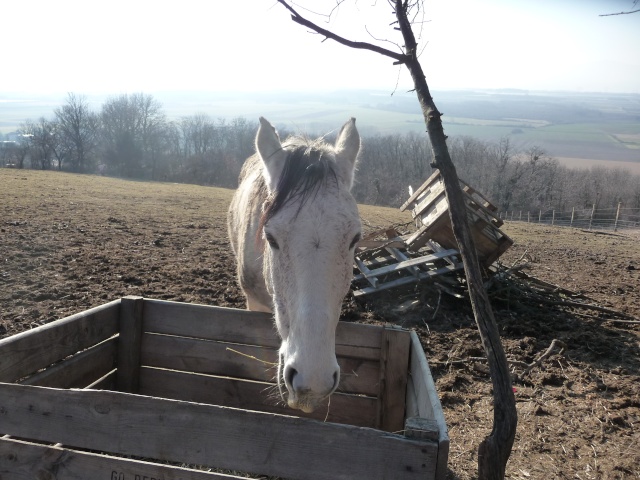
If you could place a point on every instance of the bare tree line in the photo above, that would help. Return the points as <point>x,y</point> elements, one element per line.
<point>131,137</point>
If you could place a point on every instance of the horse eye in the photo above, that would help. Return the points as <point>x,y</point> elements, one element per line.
<point>355,240</point>
<point>272,241</point>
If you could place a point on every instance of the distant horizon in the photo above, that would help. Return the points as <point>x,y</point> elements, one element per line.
<point>391,90</point>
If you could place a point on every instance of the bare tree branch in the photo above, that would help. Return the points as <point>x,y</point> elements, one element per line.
<point>619,13</point>
<point>296,17</point>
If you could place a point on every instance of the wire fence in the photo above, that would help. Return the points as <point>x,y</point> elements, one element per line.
<point>615,219</point>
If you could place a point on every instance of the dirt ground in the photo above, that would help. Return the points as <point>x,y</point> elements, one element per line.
<point>68,243</point>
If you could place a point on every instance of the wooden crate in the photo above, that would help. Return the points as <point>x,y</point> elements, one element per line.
<point>430,209</point>
<point>139,388</point>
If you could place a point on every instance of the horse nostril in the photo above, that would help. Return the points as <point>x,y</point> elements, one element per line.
<point>289,373</point>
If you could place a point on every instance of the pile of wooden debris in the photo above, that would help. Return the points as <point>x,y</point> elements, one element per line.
<point>387,259</point>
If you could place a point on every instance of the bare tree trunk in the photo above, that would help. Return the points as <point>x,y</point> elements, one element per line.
<point>494,451</point>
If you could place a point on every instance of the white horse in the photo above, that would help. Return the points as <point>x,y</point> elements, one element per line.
<point>294,225</point>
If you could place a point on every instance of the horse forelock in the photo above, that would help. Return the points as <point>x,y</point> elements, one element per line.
<point>308,167</point>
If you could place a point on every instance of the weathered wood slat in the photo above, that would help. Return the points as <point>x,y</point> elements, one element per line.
<point>20,460</point>
<point>393,378</point>
<point>434,194</point>
<point>408,263</point>
<point>246,327</point>
<point>406,280</point>
<point>376,244</point>
<point>244,361</point>
<point>401,257</point>
<point>366,273</point>
<point>79,370</point>
<point>208,435</point>
<point>490,215</point>
<point>419,190</point>
<point>251,395</point>
<point>428,403</point>
<point>28,352</point>
<point>129,344</point>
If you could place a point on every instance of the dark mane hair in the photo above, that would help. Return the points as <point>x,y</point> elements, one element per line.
<point>307,168</point>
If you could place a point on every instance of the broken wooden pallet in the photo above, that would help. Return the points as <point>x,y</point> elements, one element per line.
<point>391,267</point>
<point>430,210</point>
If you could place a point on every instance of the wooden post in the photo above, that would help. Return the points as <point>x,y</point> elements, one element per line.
<point>520,215</point>
<point>528,217</point>
<point>553,217</point>
<point>573,212</point>
<point>593,211</point>
<point>540,217</point>
<point>615,225</point>
<point>394,366</point>
<point>128,378</point>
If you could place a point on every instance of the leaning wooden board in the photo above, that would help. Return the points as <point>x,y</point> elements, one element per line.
<point>186,384</point>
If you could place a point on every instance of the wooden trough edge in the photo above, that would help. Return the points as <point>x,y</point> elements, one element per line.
<point>124,322</point>
<point>30,351</point>
<point>32,459</point>
<point>258,442</point>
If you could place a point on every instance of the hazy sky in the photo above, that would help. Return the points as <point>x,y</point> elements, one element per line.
<point>119,46</point>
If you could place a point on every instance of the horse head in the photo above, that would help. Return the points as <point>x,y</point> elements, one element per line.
<point>310,227</point>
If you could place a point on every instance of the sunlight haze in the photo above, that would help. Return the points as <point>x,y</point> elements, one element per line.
<point>118,47</point>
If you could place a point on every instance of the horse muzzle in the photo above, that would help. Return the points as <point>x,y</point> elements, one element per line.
<point>305,394</point>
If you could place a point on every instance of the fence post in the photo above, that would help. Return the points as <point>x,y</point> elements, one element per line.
<point>528,217</point>
<point>553,217</point>
<point>520,216</point>
<point>573,211</point>
<point>593,211</point>
<point>512,215</point>
<point>615,225</point>
<point>540,217</point>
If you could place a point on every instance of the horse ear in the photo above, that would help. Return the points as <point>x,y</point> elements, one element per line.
<point>347,147</point>
<point>271,152</point>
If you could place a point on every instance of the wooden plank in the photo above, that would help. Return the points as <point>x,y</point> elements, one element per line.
<point>419,190</point>
<point>174,431</point>
<point>79,370</point>
<point>250,362</point>
<point>401,257</point>
<point>473,191</point>
<point>20,460</point>
<point>422,234</point>
<point>429,201</point>
<point>406,280</point>
<point>213,323</point>
<point>251,395</point>
<point>394,370</point>
<point>428,402</point>
<point>246,327</point>
<point>131,310</point>
<point>373,244</point>
<point>410,263</point>
<point>30,351</point>
<point>472,203</point>
<point>373,281</point>
<point>421,428</point>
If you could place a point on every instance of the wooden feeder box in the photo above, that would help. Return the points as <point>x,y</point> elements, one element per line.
<point>430,210</point>
<point>141,388</point>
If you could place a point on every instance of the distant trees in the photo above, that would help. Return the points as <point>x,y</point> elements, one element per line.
<point>131,128</point>
<point>43,142</point>
<point>131,137</point>
<point>78,132</point>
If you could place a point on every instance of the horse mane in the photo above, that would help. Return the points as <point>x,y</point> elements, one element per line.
<point>308,166</point>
